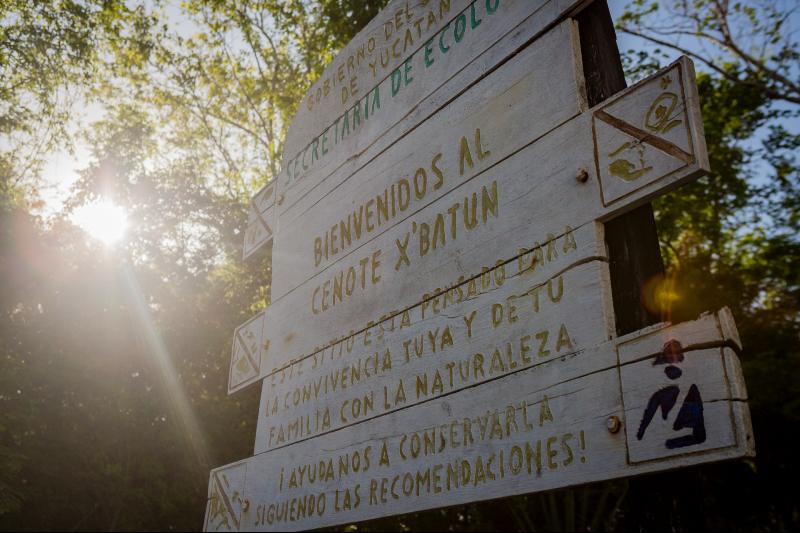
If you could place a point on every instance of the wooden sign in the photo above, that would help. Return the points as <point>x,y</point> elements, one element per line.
<point>328,226</point>
<point>518,203</point>
<point>442,48</point>
<point>516,315</point>
<point>442,327</point>
<point>660,398</point>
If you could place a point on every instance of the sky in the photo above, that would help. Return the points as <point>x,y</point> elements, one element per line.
<point>627,42</point>
<point>62,168</point>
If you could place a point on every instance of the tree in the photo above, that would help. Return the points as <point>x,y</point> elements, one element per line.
<point>48,51</point>
<point>128,350</point>
<point>731,237</point>
<point>113,401</point>
<point>748,43</point>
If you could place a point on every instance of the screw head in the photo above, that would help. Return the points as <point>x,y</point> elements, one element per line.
<point>613,424</point>
<point>583,176</point>
<point>245,505</point>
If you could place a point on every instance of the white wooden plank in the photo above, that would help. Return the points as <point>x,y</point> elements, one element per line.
<point>527,320</point>
<point>370,57</point>
<point>538,197</point>
<point>700,351</point>
<point>512,25</point>
<point>677,391</point>
<point>740,412</point>
<point>727,326</point>
<point>544,258</point>
<point>645,134</point>
<point>642,379</point>
<point>650,343</point>
<point>262,219</point>
<point>540,428</point>
<point>410,79</point>
<point>431,161</point>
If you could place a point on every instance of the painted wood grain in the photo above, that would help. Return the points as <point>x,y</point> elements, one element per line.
<point>369,58</point>
<point>437,360</point>
<point>513,24</point>
<point>224,503</point>
<point>539,428</point>
<point>469,29</point>
<point>493,119</point>
<point>476,332</point>
<point>537,197</point>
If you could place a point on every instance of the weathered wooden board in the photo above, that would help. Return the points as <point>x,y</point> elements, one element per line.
<point>609,161</point>
<point>261,219</point>
<point>587,416</point>
<point>223,510</point>
<point>485,330</point>
<point>548,256</point>
<point>469,29</point>
<point>442,329</point>
<point>369,59</point>
<point>482,127</point>
<point>428,82</point>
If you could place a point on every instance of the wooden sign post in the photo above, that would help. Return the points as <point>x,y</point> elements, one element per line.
<point>587,415</point>
<point>444,326</point>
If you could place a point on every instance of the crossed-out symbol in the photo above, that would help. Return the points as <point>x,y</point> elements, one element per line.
<point>659,119</point>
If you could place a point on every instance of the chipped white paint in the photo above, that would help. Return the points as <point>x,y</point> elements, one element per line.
<point>248,344</point>
<point>261,220</point>
<point>645,365</point>
<point>430,163</point>
<point>647,134</point>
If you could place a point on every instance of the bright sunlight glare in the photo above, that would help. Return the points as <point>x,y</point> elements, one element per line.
<point>102,220</point>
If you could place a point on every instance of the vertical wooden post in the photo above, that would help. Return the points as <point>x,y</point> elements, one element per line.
<point>634,254</point>
<point>634,258</point>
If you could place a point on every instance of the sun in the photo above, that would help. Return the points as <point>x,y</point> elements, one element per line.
<point>102,220</point>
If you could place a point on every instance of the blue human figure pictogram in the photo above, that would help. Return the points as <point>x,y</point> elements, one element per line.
<point>691,412</point>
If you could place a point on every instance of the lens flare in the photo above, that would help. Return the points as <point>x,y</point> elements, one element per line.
<point>660,295</point>
<point>102,220</point>
<point>179,403</point>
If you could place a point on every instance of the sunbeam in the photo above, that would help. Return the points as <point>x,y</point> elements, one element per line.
<point>160,354</point>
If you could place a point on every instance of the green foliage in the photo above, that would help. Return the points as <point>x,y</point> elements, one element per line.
<point>704,215</point>
<point>113,363</point>
<point>12,463</point>
<point>731,239</point>
<point>48,53</point>
<point>342,19</point>
<point>755,38</point>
